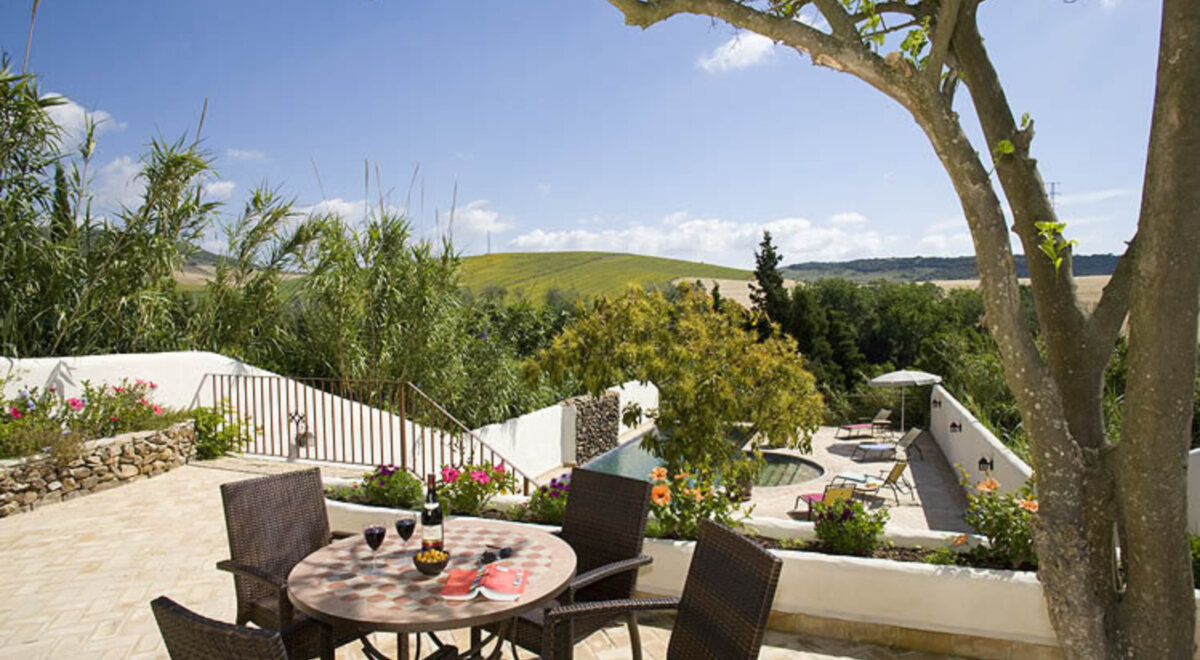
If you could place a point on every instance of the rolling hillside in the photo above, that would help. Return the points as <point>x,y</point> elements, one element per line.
<point>589,273</point>
<point>923,269</point>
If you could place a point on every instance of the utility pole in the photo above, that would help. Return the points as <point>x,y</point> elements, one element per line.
<point>1053,193</point>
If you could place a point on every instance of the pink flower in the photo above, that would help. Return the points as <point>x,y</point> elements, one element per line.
<point>140,382</point>
<point>480,476</point>
<point>157,410</point>
<point>499,468</point>
<point>449,474</point>
<point>118,390</point>
<point>113,418</point>
<point>75,404</point>
<point>153,385</point>
<point>16,414</point>
<point>143,402</point>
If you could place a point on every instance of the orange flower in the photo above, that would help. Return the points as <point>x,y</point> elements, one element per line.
<point>1029,505</point>
<point>659,473</point>
<point>988,485</point>
<point>660,495</point>
<point>961,539</point>
<point>698,495</point>
<point>681,476</point>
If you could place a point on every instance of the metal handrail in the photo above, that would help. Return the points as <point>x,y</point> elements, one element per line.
<point>355,421</point>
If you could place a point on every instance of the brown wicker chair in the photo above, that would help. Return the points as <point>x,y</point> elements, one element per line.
<point>273,523</point>
<point>726,600</point>
<point>189,636</point>
<point>605,524</point>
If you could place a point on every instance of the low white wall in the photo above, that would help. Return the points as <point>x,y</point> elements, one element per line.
<point>965,447</point>
<point>643,394</point>
<point>179,375</point>
<point>535,442</point>
<point>1193,491</point>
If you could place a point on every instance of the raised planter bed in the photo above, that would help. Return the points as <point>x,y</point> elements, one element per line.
<point>34,481</point>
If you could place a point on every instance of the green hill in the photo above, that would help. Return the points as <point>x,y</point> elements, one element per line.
<point>589,273</point>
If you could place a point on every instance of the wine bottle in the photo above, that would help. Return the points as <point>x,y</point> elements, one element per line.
<point>431,518</point>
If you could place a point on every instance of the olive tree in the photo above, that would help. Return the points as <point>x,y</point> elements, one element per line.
<point>1096,495</point>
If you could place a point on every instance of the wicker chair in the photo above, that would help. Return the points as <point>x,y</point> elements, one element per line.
<point>189,636</point>
<point>605,524</point>
<point>273,523</point>
<point>726,600</point>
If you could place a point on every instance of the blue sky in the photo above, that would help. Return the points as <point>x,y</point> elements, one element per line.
<point>565,129</point>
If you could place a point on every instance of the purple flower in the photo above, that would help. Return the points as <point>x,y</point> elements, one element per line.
<point>554,494</point>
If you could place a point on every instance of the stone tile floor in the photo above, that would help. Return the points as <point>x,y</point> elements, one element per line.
<point>78,577</point>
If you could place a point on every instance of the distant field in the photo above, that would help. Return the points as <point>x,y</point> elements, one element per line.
<point>589,273</point>
<point>1088,287</point>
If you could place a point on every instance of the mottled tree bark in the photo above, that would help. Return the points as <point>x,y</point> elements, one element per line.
<point>1087,485</point>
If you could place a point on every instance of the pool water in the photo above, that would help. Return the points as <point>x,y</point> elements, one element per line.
<point>630,460</point>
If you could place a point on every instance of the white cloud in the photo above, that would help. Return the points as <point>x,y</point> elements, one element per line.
<point>946,244</point>
<point>246,154</point>
<point>352,211</point>
<point>1092,197</point>
<point>1109,4</point>
<point>72,118</point>
<point>118,184</point>
<point>219,190</point>
<point>714,240</point>
<point>476,218</point>
<point>848,218</point>
<point>743,50</point>
<point>944,225</point>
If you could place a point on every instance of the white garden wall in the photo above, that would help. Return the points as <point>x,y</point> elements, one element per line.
<point>970,441</point>
<point>535,442</point>
<point>643,394</point>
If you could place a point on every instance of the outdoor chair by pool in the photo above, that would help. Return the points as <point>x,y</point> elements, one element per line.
<point>832,495</point>
<point>871,485</point>
<point>723,611</point>
<point>273,523</point>
<point>880,423</point>
<point>605,524</point>
<point>888,449</point>
<point>189,636</point>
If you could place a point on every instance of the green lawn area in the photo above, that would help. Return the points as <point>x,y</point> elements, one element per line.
<point>589,273</point>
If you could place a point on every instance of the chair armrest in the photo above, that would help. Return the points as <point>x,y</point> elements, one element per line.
<point>566,612</point>
<point>252,572</point>
<point>338,536</point>
<point>608,570</point>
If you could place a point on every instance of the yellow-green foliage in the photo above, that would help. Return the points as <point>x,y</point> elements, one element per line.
<point>588,273</point>
<point>712,370</point>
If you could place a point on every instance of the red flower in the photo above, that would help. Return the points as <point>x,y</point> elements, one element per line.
<point>113,418</point>
<point>158,410</point>
<point>16,414</point>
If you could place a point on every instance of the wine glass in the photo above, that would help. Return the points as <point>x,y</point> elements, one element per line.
<point>405,525</point>
<point>374,534</point>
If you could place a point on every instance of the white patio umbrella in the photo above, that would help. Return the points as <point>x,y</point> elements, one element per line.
<point>904,379</point>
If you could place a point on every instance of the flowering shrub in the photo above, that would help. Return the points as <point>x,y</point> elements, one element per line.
<point>1006,519</point>
<point>389,485</point>
<point>848,528</point>
<point>35,421</point>
<point>680,502</point>
<point>469,489</point>
<point>549,503</point>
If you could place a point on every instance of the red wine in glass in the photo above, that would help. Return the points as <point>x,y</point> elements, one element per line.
<point>374,535</point>
<point>406,524</point>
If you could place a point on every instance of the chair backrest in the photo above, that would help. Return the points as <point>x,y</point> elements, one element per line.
<point>837,494</point>
<point>189,636</point>
<point>893,477</point>
<point>604,522</point>
<point>910,437</point>
<point>883,415</point>
<point>726,598</point>
<point>273,523</point>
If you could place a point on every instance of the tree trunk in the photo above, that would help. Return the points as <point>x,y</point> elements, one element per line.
<point>1157,617</point>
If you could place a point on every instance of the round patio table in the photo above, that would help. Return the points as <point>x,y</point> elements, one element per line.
<point>330,584</point>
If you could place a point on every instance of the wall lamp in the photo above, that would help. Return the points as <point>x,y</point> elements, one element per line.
<point>986,464</point>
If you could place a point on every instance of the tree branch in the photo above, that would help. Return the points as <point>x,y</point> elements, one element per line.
<point>1110,312</point>
<point>947,21</point>
<point>839,20</point>
<point>832,51</point>
<point>892,8</point>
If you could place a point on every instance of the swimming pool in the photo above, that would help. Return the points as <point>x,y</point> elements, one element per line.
<point>630,460</point>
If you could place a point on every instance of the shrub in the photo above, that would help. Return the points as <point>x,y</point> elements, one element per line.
<point>1195,540</point>
<point>942,556</point>
<point>27,423</point>
<point>218,433</point>
<point>847,528</point>
<point>391,486</point>
<point>548,505</point>
<point>469,490</point>
<point>1006,520</point>
<point>107,410</point>
<point>679,504</point>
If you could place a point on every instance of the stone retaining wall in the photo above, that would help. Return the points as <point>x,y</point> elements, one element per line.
<point>27,483</point>
<point>597,425</point>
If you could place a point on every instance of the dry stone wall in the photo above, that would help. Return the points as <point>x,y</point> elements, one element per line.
<point>597,424</point>
<point>27,483</point>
